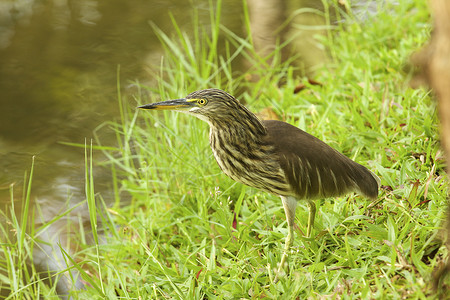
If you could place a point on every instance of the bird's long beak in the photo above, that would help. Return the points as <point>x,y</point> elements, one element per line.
<point>177,104</point>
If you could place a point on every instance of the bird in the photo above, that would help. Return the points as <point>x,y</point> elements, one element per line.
<point>273,156</point>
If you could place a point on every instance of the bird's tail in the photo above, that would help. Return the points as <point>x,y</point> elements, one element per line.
<point>367,183</point>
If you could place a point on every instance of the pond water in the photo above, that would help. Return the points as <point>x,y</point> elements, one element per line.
<point>58,80</point>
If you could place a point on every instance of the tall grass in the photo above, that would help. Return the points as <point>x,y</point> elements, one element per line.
<point>190,232</point>
<point>16,249</point>
<point>31,263</point>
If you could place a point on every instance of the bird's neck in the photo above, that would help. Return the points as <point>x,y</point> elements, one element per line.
<point>243,127</point>
<point>243,151</point>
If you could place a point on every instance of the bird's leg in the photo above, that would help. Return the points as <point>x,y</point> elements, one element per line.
<point>311,217</point>
<point>289,204</point>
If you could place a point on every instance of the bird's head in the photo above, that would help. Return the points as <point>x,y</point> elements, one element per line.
<point>210,105</point>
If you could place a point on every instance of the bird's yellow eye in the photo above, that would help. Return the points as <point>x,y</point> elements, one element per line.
<point>202,102</point>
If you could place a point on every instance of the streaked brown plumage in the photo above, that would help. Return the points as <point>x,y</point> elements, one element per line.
<point>273,156</point>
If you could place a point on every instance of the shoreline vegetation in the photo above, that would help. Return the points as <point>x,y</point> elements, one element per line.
<point>191,232</point>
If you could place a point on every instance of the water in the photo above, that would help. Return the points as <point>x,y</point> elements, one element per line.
<point>58,72</point>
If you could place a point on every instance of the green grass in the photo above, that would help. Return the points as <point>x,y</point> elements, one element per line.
<point>25,249</point>
<point>191,233</point>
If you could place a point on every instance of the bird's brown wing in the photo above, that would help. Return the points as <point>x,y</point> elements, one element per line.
<point>314,169</point>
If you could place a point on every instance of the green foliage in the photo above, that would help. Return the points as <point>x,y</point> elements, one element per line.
<point>190,232</point>
<point>25,255</point>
